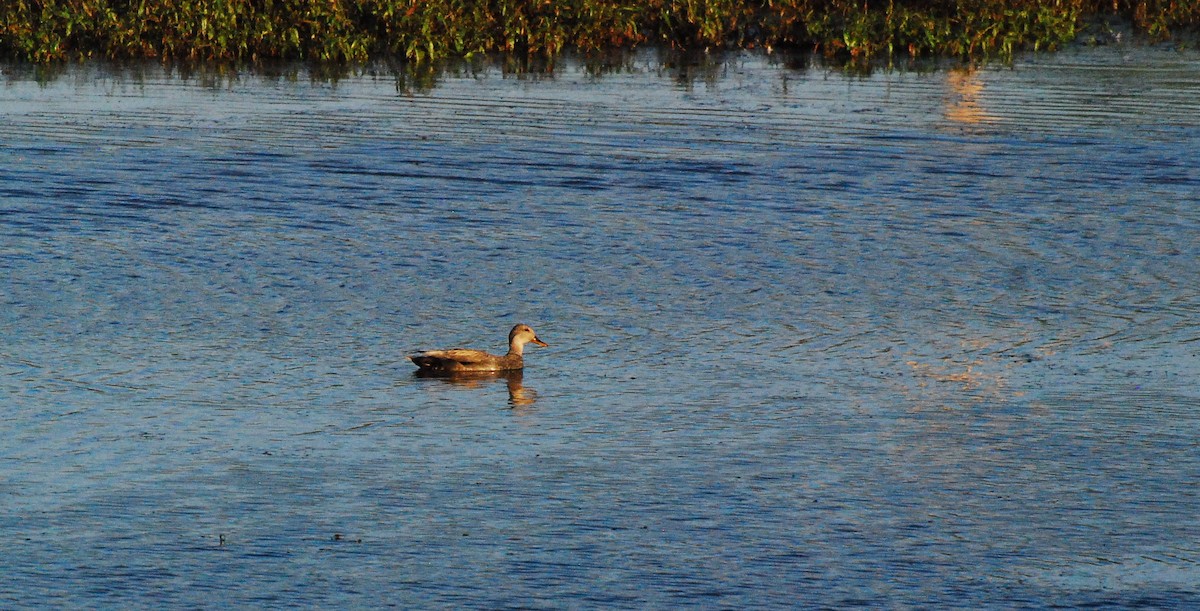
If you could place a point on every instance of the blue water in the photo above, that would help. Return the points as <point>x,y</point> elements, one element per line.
<point>910,340</point>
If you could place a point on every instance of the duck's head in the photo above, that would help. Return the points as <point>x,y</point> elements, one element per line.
<point>523,334</point>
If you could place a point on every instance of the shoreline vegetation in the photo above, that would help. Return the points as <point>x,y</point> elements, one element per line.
<point>421,31</point>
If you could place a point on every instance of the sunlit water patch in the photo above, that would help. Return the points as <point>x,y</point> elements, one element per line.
<point>910,339</point>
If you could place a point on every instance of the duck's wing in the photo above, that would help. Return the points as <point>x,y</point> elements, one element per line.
<point>457,355</point>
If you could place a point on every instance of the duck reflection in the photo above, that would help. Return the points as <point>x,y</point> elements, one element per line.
<point>518,394</point>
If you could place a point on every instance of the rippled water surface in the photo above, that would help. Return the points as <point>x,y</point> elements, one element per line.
<point>904,340</point>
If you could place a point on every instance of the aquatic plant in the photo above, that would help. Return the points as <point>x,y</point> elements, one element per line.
<point>424,30</point>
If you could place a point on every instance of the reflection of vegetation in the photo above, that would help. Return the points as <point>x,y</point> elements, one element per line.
<point>423,30</point>
<point>964,104</point>
<point>683,67</point>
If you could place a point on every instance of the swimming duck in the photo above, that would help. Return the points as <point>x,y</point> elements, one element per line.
<point>461,359</point>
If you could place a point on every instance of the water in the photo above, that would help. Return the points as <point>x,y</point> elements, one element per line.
<point>905,340</point>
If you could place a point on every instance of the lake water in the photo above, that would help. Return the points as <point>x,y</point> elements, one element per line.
<point>912,339</point>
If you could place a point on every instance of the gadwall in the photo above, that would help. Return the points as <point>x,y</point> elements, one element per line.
<point>461,359</point>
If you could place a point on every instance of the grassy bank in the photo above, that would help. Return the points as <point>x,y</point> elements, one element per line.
<point>355,30</point>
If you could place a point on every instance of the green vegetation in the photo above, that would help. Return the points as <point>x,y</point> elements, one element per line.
<point>422,30</point>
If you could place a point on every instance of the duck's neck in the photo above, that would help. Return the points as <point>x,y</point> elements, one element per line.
<point>516,348</point>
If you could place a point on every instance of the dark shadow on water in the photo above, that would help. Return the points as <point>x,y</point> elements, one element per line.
<point>518,394</point>
<point>682,66</point>
<point>686,68</point>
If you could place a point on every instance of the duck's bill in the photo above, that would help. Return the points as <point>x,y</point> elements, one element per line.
<point>540,342</point>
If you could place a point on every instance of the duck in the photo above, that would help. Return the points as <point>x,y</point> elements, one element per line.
<point>462,360</point>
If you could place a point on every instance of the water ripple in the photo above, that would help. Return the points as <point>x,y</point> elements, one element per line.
<point>916,340</point>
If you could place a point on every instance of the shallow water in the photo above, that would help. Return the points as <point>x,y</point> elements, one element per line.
<point>904,340</point>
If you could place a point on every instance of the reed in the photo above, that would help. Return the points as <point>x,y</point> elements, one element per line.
<point>425,30</point>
